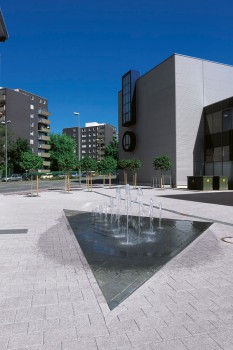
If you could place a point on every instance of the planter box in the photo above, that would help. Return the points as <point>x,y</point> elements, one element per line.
<point>201,183</point>
<point>220,182</point>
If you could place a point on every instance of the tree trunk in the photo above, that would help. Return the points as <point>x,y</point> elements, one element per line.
<point>110,180</point>
<point>125,177</point>
<point>37,185</point>
<point>135,179</point>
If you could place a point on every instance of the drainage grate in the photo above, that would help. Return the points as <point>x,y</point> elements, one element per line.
<point>13,231</point>
<point>227,239</point>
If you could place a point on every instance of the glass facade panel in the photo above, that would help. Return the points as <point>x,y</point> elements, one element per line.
<point>217,157</point>
<point>227,120</point>
<point>217,122</point>
<point>228,169</point>
<point>226,153</point>
<point>209,124</point>
<point>209,168</point>
<point>218,168</point>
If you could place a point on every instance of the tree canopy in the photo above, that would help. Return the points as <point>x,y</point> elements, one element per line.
<point>107,165</point>
<point>162,163</point>
<point>62,152</point>
<point>88,164</point>
<point>30,161</point>
<point>15,151</point>
<point>134,164</point>
<point>112,149</point>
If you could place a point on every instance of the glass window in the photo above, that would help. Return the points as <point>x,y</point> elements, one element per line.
<point>31,106</point>
<point>32,133</point>
<point>209,124</point>
<point>209,155</point>
<point>31,116</point>
<point>226,153</point>
<point>217,122</point>
<point>217,154</point>
<point>31,142</point>
<point>226,120</point>
<point>32,124</point>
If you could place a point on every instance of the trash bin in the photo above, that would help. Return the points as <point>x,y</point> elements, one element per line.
<point>220,183</point>
<point>201,183</point>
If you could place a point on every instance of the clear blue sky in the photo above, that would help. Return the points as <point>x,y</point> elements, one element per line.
<point>74,52</point>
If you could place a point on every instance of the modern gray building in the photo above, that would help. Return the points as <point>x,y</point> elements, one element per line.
<point>163,113</point>
<point>28,118</point>
<point>3,30</point>
<point>94,138</point>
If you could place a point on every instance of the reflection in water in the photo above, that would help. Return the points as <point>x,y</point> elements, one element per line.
<point>124,252</point>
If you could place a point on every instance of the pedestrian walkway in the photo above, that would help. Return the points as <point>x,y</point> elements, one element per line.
<point>50,300</point>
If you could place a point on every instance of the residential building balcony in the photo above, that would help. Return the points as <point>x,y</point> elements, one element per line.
<point>46,163</point>
<point>2,99</point>
<point>44,129</point>
<point>44,137</point>
<point>44,154</point>
<point>44,121</point>
<point>44,146</point>
<point>2,109</point>
<point>43,112</point>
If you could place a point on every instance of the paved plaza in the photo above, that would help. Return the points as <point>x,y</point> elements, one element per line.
<point>50,300</point>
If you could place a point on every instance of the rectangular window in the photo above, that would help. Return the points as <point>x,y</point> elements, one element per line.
<point>31,142</point>
<point>32,124</point>
<point>31,106</point>
<point>31,116</point>
<point>31,133</point>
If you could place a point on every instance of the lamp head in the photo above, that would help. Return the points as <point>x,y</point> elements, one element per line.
<point>76,113</point>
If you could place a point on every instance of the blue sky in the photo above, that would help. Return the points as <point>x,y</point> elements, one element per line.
<point>74,52</point>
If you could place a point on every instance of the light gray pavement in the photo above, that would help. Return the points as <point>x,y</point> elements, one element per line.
<point>50,300</point>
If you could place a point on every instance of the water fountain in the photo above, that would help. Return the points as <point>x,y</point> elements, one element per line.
<point>125,250</point>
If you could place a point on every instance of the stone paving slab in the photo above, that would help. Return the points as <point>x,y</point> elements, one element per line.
<point>50,300</point>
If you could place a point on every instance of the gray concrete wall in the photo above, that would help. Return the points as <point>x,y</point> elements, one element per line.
<point>198,83</point>
<point>155,119</point>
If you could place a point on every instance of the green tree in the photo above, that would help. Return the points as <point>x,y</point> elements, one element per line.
<point>30,161</point>
<point>107,166</point>
<point>124,165</point>
<point>88,165</point>
<point>162,163</point>
<point>15,152</point>
<point>133,165</point>
<point>112,149</point>
<point>62,152</point>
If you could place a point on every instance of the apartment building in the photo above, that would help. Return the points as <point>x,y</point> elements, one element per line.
<point>181,108</point>
<point>94,138</point>
<point>28,117</point>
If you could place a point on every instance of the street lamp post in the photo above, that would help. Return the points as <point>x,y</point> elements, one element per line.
<point>79,145</point>
<point>6,160</point>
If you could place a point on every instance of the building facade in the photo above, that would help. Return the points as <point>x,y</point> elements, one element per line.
<point>162,112</point>
<point>3,30</point>
<point>94,138</point>
<point>29,118</point>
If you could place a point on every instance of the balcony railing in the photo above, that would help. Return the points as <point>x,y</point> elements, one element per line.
<point>44,155</point>
<point>44,146</point>
<point>2,109</point>
<point>46,163</point>
<point>44,138</point>
<point>43,121</point>
<point>43,129</point>
<point>43,112</point>
<point>2,98</point>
